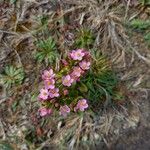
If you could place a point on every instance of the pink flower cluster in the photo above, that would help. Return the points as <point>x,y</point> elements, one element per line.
<point>45,111</point>
<point>77,70</point>
<point>49,91</point>
<point>56,86</point>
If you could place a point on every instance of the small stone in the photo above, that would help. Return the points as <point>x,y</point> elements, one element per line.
<point>84,138</point>
<point>24,147</point>
<point>23,128</point>
<point>116,131</point>
<point>19,133</point>
<point>96,136</point>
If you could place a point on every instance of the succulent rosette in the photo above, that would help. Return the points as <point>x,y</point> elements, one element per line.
<point>60,92</point>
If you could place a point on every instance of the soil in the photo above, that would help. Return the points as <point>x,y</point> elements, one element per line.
<point>21,123</point>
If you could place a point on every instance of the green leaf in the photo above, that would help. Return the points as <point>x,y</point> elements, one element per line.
<point>5,146</point>
<point>13,1</point>
<point>84,39</point>
<point>140,24</point>
<point>145,2</point>
<point>14,106</point>
<point>47,51</point>
<point>12,76</point>
<point>83,88</point>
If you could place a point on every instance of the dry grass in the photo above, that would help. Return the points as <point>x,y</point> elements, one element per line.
<point>108,24</point>
<point>18,25</point>
<point>83,131</point>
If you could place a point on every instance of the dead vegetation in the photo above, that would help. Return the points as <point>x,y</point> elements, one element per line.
<point>25,22</point>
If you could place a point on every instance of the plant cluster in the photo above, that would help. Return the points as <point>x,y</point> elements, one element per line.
<point>85,38</point>
<point>147,38</point>
<point>59,91</point>
<point>139,24</point>
<point>47,51</point>
<point>100,83</point>
<point>12,75</point>
<point>145,2</point>
<point>143,27</point>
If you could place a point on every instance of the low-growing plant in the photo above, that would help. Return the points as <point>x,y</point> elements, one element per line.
<point>147,38</point>
<point>100,87</point>
<point>100,81</point>
<point>6,145</point>
<point>145,2</point>
<point>60,90</point>
<point>83,79</point>
<point>43,20</point>
<point>47,51</point>
<point>100,63</point>
<point>85,38</point>
<point>12,75</point>
<point>140,24</point>
<point>13,1</point>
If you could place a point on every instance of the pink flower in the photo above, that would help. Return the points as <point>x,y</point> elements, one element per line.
<point>54,93</point>
<point>67,80</point>
<point>85,65</point>
<point>48,74</point>
<point>44,111</point>
<point>66,92</point>
<point>76,72</point>
<point>87,53</point>
<point>64,110</point>
<point>65,63</point>
<point>82,104</point>
<point>49,111</point>
<point>49,84</point>
<point>43,94</point>
<point>77,54</point>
